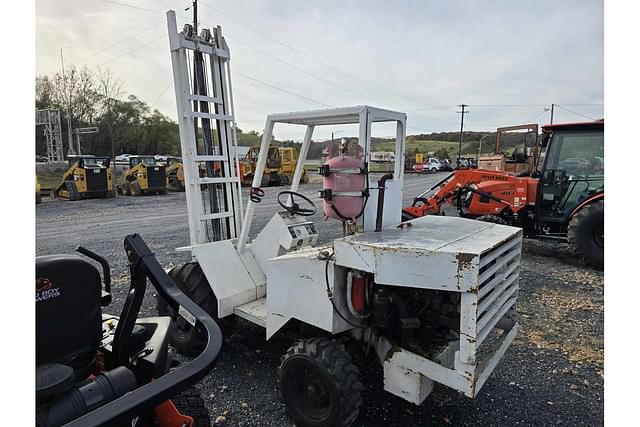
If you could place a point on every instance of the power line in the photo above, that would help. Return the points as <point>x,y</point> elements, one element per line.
<point>132,50</point>
<point>308,56</point>
<point>133,6</point>
<point>296,67</point>
<point>281,89</point>
<point>536,116</point>
<point>160,96</point>
<point>574,112</point>
<point>118,43</point>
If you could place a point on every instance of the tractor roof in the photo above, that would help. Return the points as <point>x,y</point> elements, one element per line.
<point>598,124</point>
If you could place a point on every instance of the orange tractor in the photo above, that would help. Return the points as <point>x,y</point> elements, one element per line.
<point>563,199</point>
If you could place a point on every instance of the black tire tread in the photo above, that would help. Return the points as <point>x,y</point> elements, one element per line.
<point>192,282</point>
<point>577,242</point>
<point>190,403</point>
<point>337,362</point>
<point>135,189</point>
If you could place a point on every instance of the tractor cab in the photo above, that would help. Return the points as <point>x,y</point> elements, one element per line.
<point>573,170</point>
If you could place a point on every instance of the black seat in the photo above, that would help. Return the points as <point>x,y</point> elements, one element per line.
<point>68,314</point>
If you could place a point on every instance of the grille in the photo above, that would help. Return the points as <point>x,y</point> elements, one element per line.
<point>156,177</point>
<point>498,291</point>
<point>96,181</point>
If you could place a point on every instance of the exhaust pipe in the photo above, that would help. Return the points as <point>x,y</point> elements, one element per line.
<point>381,186</point>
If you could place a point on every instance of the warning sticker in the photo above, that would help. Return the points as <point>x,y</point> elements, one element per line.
<point>187,316</point>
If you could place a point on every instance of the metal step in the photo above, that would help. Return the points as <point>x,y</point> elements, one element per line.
<point>254,311</point>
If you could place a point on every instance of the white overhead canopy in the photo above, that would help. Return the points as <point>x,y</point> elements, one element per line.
<point>337,116</point>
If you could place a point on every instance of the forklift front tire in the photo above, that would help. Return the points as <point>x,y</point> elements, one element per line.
<point>319,384</point>
<point>190,279</point>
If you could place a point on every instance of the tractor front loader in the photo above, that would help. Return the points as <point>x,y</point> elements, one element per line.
<point>143,177</point>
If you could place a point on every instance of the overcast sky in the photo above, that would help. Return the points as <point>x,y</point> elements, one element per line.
<point>507,59</point>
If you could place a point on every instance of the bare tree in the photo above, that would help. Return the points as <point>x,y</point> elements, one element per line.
<point>75,92</point>
<point>110,91</point>
<point>44,92</point>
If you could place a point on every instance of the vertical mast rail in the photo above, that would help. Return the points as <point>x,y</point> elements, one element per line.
<point>212,184</point>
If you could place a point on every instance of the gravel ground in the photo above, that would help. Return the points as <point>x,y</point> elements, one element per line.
<point>552,374</point>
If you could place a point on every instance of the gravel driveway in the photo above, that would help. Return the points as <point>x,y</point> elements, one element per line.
<point>552,375</point>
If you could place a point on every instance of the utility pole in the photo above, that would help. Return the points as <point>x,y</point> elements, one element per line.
<point>195,17</point>
<point>480,148</point>
<point>552,105</point>
<point>68,116</point>
<point>462,113</point>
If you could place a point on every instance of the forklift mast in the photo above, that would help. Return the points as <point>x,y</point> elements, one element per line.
<point>201,74</point>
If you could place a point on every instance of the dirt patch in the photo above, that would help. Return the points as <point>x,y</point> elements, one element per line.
<point>567,319</point>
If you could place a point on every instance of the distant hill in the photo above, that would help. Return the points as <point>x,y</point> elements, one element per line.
<point>441,144</point>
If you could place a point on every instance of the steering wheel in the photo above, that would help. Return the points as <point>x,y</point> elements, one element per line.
<point>295,209</point>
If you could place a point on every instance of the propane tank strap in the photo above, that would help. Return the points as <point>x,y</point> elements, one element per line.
<point>256,194</point>
<point>328,194</point>
<point>326,170</point>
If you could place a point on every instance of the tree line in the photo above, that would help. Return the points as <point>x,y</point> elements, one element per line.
<point>95,97</point>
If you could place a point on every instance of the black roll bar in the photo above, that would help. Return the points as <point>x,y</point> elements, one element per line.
<point>144,265</point>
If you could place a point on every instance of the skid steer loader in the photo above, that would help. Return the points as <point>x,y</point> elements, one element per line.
<point>87,177</point>
<point>144,176</point>
<point>175,174</point>
<point>432,301</point>
<point>96,369</point>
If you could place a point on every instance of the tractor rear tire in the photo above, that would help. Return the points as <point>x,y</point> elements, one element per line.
<point>190,279</point>
<point>135,189</point>
<point>319,384</point>
<point>190,403</point>
<point>494,219</point>
<point>586,234</point>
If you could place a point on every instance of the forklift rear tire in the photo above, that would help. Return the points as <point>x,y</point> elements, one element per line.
<point>586,234</point>
<point>135,188</point>
<point>319,384</point>
<point>190,279</point>
<point>190,403</point>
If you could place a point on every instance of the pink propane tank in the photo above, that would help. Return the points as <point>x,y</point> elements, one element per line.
<point>344,186</point>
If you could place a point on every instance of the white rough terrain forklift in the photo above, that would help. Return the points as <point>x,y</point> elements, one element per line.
<point>434,298</point>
